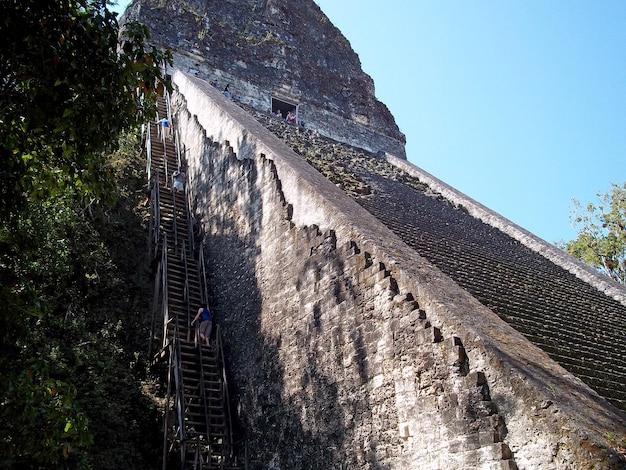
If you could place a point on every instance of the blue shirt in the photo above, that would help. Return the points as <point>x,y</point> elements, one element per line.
<point>205,315</point>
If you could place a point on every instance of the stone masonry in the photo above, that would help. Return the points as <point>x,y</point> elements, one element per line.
<point>286,49</point>
<point>559,306</point>
<point>347,348</point>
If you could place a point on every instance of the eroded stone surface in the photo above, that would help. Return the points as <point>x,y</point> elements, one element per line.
<point>566,317</point>
<point>287,49</point>
<point>347,347</point>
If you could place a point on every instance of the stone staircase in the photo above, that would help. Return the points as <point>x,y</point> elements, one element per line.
<point>197,427</point>
<point>578,325</point>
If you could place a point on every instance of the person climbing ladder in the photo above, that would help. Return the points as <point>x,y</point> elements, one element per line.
<point>206,324</point>
<point>164,128</point>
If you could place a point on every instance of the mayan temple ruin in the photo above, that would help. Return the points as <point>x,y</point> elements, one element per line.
<point>368,315</point>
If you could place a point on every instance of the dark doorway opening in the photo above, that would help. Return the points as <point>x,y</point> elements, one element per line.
<point>284,107</point>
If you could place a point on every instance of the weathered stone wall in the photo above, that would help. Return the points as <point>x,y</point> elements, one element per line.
<point>283,47</point>
<point>317,118</point>
<point>522,279</point>
<point>474,208</point>
<point>346,348</point>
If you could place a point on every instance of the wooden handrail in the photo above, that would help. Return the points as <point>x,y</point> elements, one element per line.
<point>229,431</point>
<point>202,273</point>
<point>165,306</point>
<point>148,151</point>
<point>175,220</point>
<point>155,307</point>
<point>203,395</point>
<point>166,413</point>
<point>179,398</point>
<point>156,197</point>
<point>189,224</point>
<point>186,296</point>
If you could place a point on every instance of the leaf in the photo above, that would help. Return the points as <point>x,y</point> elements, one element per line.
<point>601,240</point>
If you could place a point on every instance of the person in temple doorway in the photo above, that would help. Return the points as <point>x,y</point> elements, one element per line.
<point>206,324</point>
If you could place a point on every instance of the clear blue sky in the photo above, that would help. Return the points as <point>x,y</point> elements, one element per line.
<point>520,105</point>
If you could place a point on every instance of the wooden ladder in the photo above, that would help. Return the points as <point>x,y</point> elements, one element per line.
<point>197,427</point>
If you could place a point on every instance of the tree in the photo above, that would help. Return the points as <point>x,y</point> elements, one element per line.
<point>601,229</point>
<point>70,82</point>
<point>38,417</point>
<point>66,92</point>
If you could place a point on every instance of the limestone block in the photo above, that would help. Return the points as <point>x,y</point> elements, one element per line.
<point>428,335</point>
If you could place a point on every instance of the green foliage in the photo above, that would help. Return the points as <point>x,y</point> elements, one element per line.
<point>37,417</point>
<point>601,229</point>
<point>66,91</point>
<point>36,263</point>
<point>71,83</point>
<point>88,329</point>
